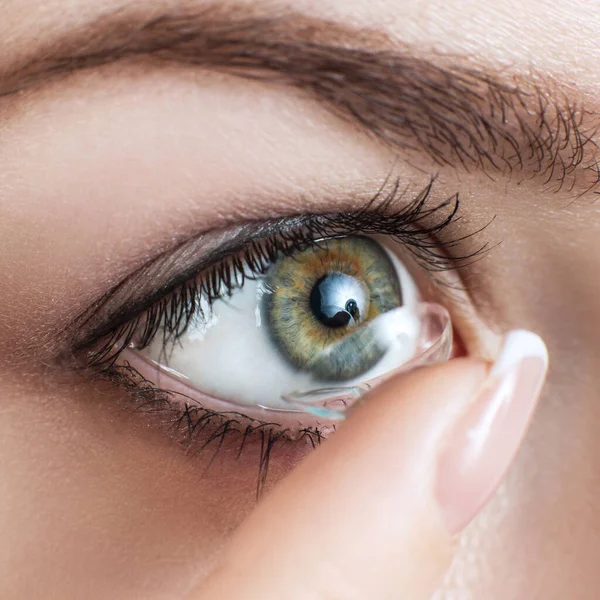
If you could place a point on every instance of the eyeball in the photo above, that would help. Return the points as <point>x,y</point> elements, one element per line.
<point>314,332</point>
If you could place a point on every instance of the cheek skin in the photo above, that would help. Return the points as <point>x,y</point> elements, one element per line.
<point>98,504</point>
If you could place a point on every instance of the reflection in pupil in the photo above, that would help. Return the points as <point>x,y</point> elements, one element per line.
<point>352,308</point>
<point>329,300</point>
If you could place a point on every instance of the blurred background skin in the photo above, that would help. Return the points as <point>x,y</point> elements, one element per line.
<point>100,168</point>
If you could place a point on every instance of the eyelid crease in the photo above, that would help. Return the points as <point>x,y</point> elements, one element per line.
<point>415,224</point>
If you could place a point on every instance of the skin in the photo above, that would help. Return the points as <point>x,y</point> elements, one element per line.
<point>98,502</point>
<point>353,543</point>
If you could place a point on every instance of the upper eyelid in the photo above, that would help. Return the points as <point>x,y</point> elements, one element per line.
<point>162,276</point>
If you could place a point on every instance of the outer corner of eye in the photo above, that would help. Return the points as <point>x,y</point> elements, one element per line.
<point>317,324</point>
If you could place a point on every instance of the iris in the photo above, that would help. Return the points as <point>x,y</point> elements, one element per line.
<point>319,301</point>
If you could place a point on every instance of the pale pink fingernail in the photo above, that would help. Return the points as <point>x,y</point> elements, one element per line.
<point>481,446</point>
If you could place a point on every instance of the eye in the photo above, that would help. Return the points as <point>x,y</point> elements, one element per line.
<point>300,325</point>
<point>272,322</point>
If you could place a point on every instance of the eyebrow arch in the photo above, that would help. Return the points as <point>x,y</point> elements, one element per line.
<point>460,115</point>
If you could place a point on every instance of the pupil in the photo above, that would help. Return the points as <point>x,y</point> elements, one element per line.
<point>326,305</point>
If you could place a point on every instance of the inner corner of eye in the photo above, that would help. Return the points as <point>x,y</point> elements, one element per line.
<point>329,316</point>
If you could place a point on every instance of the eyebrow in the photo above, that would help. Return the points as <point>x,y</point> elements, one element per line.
<point>459,114</point>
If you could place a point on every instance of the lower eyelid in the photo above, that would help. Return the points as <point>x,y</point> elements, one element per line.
<point>202,433</point>
<point>181,394</point>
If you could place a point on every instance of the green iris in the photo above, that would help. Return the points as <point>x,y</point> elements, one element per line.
<point>320,299</point>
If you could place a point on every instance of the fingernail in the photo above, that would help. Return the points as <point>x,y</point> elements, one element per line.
<point>482,444</point>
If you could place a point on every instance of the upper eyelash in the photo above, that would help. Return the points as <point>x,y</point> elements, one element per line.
<point>415,226</point>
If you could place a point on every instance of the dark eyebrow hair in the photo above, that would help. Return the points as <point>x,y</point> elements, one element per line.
<point>459,114</point>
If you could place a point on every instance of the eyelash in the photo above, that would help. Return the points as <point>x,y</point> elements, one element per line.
<point>172,314</point>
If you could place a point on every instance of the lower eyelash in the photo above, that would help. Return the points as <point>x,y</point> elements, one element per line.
<point>204,430</point>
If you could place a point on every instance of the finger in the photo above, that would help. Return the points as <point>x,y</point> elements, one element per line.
<point>372,513</point>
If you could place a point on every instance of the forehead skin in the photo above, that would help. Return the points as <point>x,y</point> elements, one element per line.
<point>516,547</point>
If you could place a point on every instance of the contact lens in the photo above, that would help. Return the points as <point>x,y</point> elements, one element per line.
<point>405,337</point>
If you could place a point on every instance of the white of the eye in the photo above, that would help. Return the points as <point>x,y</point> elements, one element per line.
<point>232,357</point>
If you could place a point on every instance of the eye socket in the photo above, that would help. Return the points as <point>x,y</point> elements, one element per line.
<point>301,325</point>
<point>189,331</point>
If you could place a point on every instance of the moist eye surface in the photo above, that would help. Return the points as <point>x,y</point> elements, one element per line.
<point>301,324</point>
